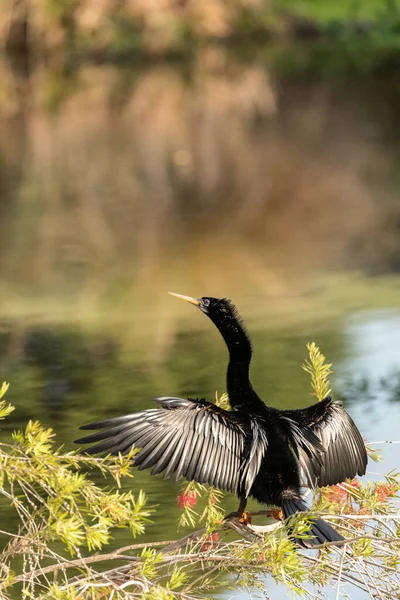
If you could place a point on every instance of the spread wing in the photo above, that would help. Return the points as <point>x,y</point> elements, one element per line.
<point>329,445</point>
<point>193,439</point>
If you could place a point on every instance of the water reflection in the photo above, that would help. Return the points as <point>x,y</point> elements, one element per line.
<point>138,179</point>
<point>226,179</point>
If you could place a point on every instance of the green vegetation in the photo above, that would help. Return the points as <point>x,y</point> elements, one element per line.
<point>65,523</point>
<point>115,31</point>
<point>319,372</point>
<point>340,10</point>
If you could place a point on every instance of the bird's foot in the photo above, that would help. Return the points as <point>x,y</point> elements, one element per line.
<point>273,513</point>
<point>243,517</point>
<point>276,513</point>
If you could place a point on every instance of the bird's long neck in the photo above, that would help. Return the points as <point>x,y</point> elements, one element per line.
<point>237,339</point>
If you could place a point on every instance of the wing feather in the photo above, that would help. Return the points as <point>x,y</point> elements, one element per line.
<point>195,454</point>
<point>329,445</point>
<point>189,438</point>
<point>162,461</point>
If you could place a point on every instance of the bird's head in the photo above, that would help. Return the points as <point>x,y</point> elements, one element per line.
<point>224,315</point>
<point>212,307</point>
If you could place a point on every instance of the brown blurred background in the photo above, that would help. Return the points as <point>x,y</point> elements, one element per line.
<point>247,149</point>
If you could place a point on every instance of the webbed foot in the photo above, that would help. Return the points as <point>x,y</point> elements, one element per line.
<point>274,513</point>
<point>243,517</point>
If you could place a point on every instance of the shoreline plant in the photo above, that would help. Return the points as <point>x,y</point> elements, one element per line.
<point>66,521</point>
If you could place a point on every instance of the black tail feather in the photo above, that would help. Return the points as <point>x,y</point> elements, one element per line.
<point>320,530</point>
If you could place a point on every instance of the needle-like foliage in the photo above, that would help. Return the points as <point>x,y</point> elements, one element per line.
<point>5,409</point>
<point>319,371</point>
<point>58,551</point>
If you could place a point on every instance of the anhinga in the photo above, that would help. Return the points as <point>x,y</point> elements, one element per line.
<point>252,450</point>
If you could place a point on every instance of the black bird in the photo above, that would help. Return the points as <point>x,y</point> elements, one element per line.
<point>252,450</point>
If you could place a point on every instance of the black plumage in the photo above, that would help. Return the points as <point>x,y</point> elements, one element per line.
<point>252,450</point>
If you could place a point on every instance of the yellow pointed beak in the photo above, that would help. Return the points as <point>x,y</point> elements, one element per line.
<point>186,298</point>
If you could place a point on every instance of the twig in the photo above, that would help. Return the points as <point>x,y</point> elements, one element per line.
<point>340,571</point>
<point>356,517</point>
<point>384,442</point>
<point>178,544</point>
<point>332,567</point>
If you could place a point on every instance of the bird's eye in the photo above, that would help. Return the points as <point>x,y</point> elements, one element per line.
<point>206,302</point>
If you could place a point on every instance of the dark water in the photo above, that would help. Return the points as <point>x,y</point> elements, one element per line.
<point>252,180</point>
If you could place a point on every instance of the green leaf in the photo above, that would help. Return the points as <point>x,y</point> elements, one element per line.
<point>319,371</point>
<point>4,388</point>
<point>222,401</point>
<point>5,409</point>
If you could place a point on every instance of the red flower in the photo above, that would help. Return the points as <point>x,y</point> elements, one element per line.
<point>354,483</point>
<point>187,500</point>
<point>335,493</point>
<point>385,490</point>
<point>338,493</point>
<point>208,541</point>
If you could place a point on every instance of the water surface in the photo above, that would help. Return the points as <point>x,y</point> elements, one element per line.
<point>273,185</point>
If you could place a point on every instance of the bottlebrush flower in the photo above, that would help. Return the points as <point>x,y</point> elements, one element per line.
<point>208,541</point>
<point>187,499</point>
<point>354,483</point>
<point>335,493</point>
<point>385,491</point>
<point>338,493</point>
